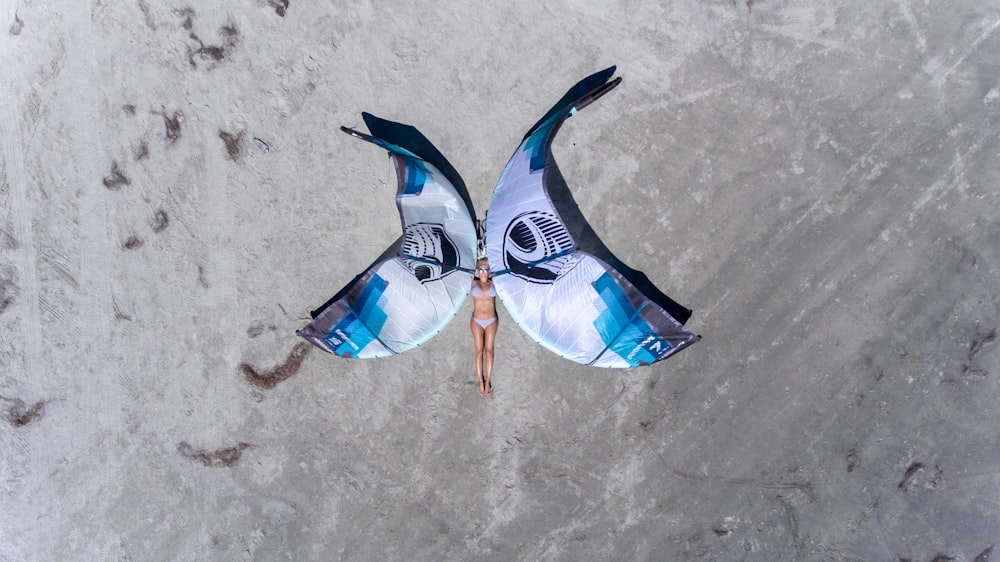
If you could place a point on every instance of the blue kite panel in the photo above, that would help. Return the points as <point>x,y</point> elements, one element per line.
<point>622,329</point>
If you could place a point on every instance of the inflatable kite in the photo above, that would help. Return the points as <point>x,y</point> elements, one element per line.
<point>560,284</point>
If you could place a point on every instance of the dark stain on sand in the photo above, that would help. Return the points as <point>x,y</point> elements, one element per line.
<point>222,458</point>
<point>258,329</point>
<point>280,6</point>
<point>281,373</point>
<point>160,221</point>
<point>132,243</point>
<point>141,152</point>
<point>8,291</point>
<point>19,415</point>
<point>230,37</point>
<point>18,25</point>
<point>851,459</point>
<point>172,123</point>
<point>188,15</point>
<point>203,277</point>
<point>233,143</point>
<point>116,179</point>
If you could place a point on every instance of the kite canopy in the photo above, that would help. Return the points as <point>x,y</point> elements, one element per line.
<point>559,282</point>
<point>419,283</point>
<point>567,299</point>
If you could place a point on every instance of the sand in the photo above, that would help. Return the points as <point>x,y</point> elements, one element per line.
<point>818,181</point>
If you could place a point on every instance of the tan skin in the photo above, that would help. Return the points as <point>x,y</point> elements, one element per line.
<point>484,308</point>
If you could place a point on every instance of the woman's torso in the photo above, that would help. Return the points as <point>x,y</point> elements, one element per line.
<point>483,297</point>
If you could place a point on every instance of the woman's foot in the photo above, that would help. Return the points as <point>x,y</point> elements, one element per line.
<point>482,387</point>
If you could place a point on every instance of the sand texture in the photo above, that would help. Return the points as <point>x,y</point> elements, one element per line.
<point>819,181</point>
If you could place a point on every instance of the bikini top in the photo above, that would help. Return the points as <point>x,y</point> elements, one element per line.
<point>477,292</point>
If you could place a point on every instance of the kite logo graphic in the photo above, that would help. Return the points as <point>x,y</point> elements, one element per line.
<point>428,252</point>
<point>537,247</point>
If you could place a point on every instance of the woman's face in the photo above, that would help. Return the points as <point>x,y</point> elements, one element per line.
<point>483,271</point>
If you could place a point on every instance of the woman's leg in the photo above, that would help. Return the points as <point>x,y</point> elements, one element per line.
<point>488,336</point>
<point>478,336</point>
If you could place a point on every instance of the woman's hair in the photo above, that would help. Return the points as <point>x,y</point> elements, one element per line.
<point>481,261</point>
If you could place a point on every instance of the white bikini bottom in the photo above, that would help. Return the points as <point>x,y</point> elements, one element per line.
<point>484,323</point>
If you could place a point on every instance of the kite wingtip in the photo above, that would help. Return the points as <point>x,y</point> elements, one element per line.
<point>353,132</point>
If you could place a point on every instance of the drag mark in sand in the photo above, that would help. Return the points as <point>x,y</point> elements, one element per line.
<point>281,373</point>
<point>975,346</point>
<point>202,278</point>
<point>932,477</point>
<point>222,458</point>
<point>119,315</point>
<point>806,488</point>
<point>18,415</point>
<point>910,472</point>
<point>865,514</point>
<point>792,521</point>
<point>116,179</point>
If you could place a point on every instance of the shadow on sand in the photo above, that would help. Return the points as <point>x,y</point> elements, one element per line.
<point>579,96</point>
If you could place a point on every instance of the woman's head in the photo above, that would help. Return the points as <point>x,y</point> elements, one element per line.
<point>482,268</point>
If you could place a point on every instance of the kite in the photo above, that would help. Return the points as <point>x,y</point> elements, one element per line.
<point>417,286</point>
<point>557,280</point>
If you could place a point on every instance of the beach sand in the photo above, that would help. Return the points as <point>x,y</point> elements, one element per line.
<point>819,183</point>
